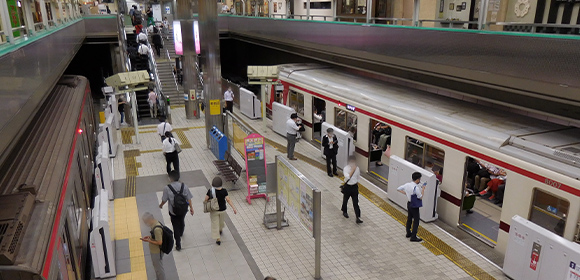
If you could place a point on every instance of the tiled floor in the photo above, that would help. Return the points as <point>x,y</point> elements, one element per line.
<point>376,249</point>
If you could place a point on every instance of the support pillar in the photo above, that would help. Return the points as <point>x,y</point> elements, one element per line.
<point>44,14</point>
<point>482,19</point>
<point>334,3</point>
<point>28,17</point>
<point>6,24</point>
<point>369,10</point>
<point>210,51</point>
<point>307,9</point>
<point>416,7</point>
<point>184,14</point>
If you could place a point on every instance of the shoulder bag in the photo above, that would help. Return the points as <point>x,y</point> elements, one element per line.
<point>415,201</point>
<point>345,183</point>
<point>211,204</point>
<point>176,146</point>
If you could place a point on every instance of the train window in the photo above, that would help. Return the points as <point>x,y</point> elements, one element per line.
<point>296,101</point>
<point>425,156</point>
<point>549,211</point>
<point>346,121</point>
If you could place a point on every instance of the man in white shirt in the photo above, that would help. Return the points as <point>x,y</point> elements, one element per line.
<point>229,98</point>
<point>163,127</point>
<point>152,103</point>
<point>291,132</point>
<point>142,38</point>
<point>350,188</point>
<point>143,50</point>
<point>413,189</point>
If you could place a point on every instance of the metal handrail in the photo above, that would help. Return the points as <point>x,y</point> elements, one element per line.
<point>394,20</point>
<point>173,73</point>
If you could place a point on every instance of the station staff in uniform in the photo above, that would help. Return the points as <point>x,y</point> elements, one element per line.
<point>229,98</point>
<point>330,144</point>
<point>291,132</point>
<point>414,192</point>
<point>350,188</point>
<point>163,127</point>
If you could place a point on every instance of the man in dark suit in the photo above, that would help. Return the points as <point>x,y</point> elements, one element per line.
<point>330,144</point>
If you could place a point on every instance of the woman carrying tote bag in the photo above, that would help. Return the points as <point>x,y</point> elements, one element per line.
<point>217,217</point>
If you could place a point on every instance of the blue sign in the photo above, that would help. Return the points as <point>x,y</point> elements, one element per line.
<point>350,108</point>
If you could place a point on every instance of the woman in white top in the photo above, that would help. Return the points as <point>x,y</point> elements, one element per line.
<point>171,155</point>
<point>350,189</point>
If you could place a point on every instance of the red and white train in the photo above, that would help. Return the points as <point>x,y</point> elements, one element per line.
<point>46,189</point>
<point>541,158</point>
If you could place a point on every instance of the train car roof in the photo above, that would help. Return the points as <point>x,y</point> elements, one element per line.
<point>41,160</point>
<point>484,125</point>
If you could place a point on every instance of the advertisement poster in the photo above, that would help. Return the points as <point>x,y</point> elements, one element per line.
<point>214,104</point>
<point>289,189</point>
<point>196,37</point>
<point>306,211</point>
<point>573,272</point>
<point>177,38</point>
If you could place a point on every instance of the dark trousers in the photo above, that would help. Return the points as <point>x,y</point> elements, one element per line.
<point>331,160</point>
<point>172,158</point>
<point>158,50</point>
<point>500,192</point>
<point>351,191</point>
<point>413,217</point>
<point>230,106</point>
<point>178,223</point>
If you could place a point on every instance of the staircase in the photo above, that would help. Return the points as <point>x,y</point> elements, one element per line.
<point>165,67</point>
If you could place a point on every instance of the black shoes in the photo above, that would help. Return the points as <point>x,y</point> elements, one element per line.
<point>408,235</point>
<point>178,247</point>
<point>330,175</point>
<point>416,239</point>
<point>335,173</point>
<point>469,211</point>
<point>359,221</point>
<point>345,214</point>
<point>221,232</point>
<point>218,242</point>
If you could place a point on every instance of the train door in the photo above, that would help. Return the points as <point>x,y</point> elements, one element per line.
<point>379,149</point>
<point>318,117</point>
<point>66,263</point>
<point>482,201</point>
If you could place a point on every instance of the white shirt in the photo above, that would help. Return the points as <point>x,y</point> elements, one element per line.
<point>141,37</point>
<point>355,176</point>
<point>152,97</point>
<point>143,49</point>
<point>229,95</point>
<point>169,147</point>
<point>161,130</point>
<point>409,188</point>
<point>291,127</point>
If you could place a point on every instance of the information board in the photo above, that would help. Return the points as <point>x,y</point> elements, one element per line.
<point>295,194</point>
<point>214,107</point>
<point>255,154</point>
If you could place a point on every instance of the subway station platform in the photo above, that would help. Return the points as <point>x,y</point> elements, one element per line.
<point>376,249</point>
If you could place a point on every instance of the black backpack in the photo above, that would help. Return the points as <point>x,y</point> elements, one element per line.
<point>167,239</point>
<point>138,17</point>
<point>180,203</point>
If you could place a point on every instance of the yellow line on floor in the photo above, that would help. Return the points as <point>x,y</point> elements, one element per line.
<point>435,245</point>
<point>127,227</point>
<point>480,234</point>
<point>376,174</point>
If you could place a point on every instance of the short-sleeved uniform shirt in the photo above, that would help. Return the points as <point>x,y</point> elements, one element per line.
<point>410,189</point>
<point>221,197</point>
<point>157,235</point>
<point>168,194</point>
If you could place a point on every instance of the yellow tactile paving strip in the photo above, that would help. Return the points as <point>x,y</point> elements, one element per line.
<point>431,242</point>
<point>127,227</point>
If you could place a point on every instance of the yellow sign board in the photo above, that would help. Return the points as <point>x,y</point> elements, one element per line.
<point>214,107</point>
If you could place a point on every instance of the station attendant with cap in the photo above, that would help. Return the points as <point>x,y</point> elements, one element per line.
<point>330,144</point>
<point>291,132</point>
<point>414,192</point>
<point>229,98</point>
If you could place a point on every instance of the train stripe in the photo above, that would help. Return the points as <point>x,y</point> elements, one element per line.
<point>54,233</point>
<point>447,196</point>
<point>504,226</point>
<point>531,175</point>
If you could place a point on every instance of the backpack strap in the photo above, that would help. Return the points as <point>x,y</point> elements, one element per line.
<point>153,231</point>
<point>182,187</point>
<point>213,192</point>
<point>172,189</point>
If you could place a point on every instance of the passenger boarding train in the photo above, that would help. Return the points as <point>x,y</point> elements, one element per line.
<point>45,189</point>
<point>539,160</point>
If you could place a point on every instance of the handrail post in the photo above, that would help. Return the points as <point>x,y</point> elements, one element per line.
<point>369,10</point>
<point>307,9</point>
<point>416,6</point>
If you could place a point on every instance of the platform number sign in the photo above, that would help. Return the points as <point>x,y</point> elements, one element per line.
<point>350,108</point>
<point>573,271</point>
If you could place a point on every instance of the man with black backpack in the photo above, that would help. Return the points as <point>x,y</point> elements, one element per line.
<point>179,197</point>
<point>160,242</point>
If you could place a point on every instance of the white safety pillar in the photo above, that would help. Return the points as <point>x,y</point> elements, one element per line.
<point>334,3</point>
<point>60,13</point>
<point>243,7</point>
<point>482,19</point>
<point>7,26</point>
<point>369,10</point>
<point>28,17</point>
<point>307,9</point>
<point>416,6</point>
<point>287,5</point>
<point>44,14</point>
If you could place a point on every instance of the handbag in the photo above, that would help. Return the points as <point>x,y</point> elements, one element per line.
<point>346,183</point>
<point>176,146</point>
<point>415,201</point>
<point>211,204</point>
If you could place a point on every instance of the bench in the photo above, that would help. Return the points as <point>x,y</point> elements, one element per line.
<point>229,168</point>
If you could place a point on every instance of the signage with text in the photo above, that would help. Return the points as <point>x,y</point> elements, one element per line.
<point>177,38</point>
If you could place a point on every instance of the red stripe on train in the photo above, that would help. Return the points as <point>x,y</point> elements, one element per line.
<point>53,234</point>
<point>473,153</point>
